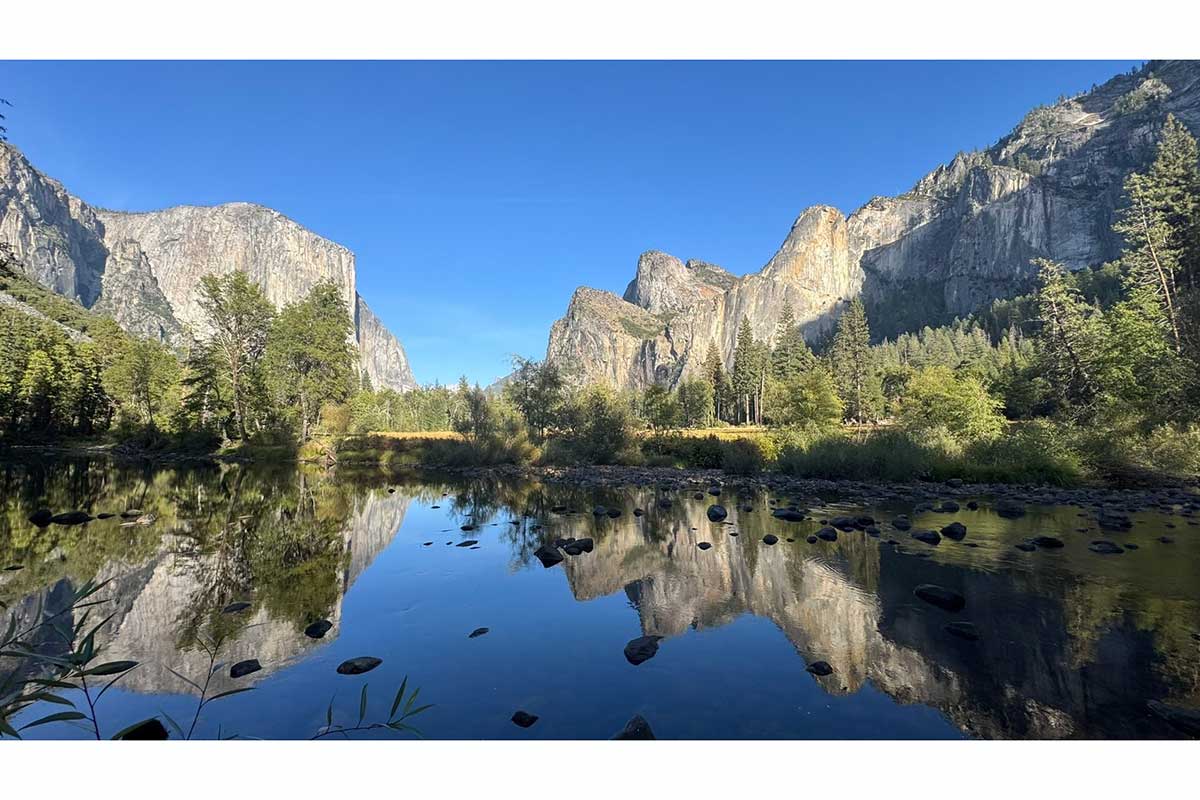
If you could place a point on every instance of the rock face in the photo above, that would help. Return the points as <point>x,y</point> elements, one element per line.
<point>962,237</point>
<point>143,269</point>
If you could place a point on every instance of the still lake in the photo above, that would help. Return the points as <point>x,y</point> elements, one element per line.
<point>1070,643</point>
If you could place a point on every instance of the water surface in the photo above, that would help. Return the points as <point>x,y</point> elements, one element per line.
<point>1071,643</point>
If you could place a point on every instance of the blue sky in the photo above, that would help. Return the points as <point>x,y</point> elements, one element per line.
<point>478,195</point>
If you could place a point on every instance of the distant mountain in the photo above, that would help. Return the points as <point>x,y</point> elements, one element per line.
<point>961,238</point>
<point>144,269</point>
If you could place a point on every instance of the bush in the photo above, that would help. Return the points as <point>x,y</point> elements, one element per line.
<point>741,457</point>
<point>937,398</point>
<point>598,427</point>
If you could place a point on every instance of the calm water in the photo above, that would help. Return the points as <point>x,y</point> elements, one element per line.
<point>1072,643</point>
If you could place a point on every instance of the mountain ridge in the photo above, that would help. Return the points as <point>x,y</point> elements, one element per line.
<point>143,267</point>
<point>962,237</point>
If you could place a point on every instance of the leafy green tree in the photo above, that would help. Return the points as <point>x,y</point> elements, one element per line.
<point>853,365</point>
<point>598,425</point>
<point>537,390</point>
<point>937,399</point>
<point>660,408</point>
<point>809,399</point>
<point>240,317</point>
<point>140,379</point>
<point>477,420</point>
<point>308,357</point>
<point>695,397</point>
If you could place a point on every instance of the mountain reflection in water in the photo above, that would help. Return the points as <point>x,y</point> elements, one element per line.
<point>1071,643</point>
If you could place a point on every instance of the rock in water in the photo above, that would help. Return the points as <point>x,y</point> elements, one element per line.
<point>1105,547</point>
<point>523,719</point>
<point>811,539</point>
<point>820,668</point>
<point>716,513</point>
<point>233,608</point>
<point>1009,508</point>
<point>357,666</point>
<point>578,547</point>
<point>549,556</point>
<point>940,596</point>
<point>901,523</point>
<point>955,530</point>
<point>704,545</point>
<point>475,634</point>
<point>467,543</point>
<point>770,538</point>
<point>636,728</point>
<point>598,511</point>
<point>641,649</point>
<point>787,515</point>
<point>318,629</point>
<point>42,517</point>
<point>928,537</point>
<point>149,730</point>
<point>71,518</point>
<point>243,668</point>
<point>1028,546</point>
<point>828,534</point>
<point>963,630</point>
<point>1048,542</point>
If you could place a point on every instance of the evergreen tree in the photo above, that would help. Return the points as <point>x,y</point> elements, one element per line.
<point>718,379</point>
<point>853,366</point>
<point>791,355</point>
<point>695,399</point>
<point>749,373</point>
<point>1070,340</point>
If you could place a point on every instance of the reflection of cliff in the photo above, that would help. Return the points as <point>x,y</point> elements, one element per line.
<point>879,634</point>
<point>155,604</point>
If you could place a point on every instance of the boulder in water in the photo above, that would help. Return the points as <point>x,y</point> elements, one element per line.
<point>636,728</point>
<point>549,556</point>
<point>318,629</point>
<point>716,513</point>
<point>940,596</point>
<point>357,666</point>
<point>955,530</point>
<point>770,538</point>
<point>243,668</point>
<point>641,649</point>
<point>523,719</point>
<point>820,668</point>
<point>928,537</point>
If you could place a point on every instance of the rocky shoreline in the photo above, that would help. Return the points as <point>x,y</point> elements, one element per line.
<point>1007,499</point>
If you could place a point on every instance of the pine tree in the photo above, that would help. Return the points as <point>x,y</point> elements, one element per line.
<point>714,372</point>
<point>241,318</point>
<point>1070,337</point>
<point>791,355</point>
<point>749,373</point>
<point>853,367</point>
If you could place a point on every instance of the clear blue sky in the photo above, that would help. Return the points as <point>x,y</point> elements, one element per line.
<point>478,195</point>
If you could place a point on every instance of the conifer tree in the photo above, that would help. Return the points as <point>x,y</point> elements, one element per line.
<point>853,366</point>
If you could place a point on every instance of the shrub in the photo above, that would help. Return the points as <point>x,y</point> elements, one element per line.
<point>741,457</point>
<point>962,406</point>
<point>598,427</point>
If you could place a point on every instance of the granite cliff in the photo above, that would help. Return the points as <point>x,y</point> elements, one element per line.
<point>962,237</point>
<point>143,269</point>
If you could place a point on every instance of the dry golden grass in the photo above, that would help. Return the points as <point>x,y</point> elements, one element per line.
<point>413,435</point>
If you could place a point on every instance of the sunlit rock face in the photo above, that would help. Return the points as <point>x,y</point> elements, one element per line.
<point>963,236</point>
<point>144,269</point>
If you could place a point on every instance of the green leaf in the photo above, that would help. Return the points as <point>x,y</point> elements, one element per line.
<point>53,683</point>
<point>62,716</point>
<point>8,730</point>
<point>399,697</point>
<point>111,668</point>
<point>52,698</point>
<point>362,705</point>
<point>186,680</point>
<point>416,711</point>
<point>230,692</point>
<point>173,724</point>
<point>329,712</point>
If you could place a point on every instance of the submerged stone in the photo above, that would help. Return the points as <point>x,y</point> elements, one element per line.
<point>1105,547</point>
<point>636,728</point>
<point>357,666</point>
<point>1009,508</point>
<point>1048,542</point>
<point>820,668</point>
<point>233,608</point>
<point>963,630</point>
<point>787,514</point>
<point>318,629</point>
<point>475,634</point>
<point>770,538</point>
<point>467,543</point>
<point>42,517</point>
<point>641,649</point>
<point>243,668</point>
<point>577,547</point>
<point>71,518</point>
<point>811,540</point>
<point>940,596</point>
<point>716,513</point>
<point>828,534</point>
<point>704,545</point>
<point>523,719</point>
